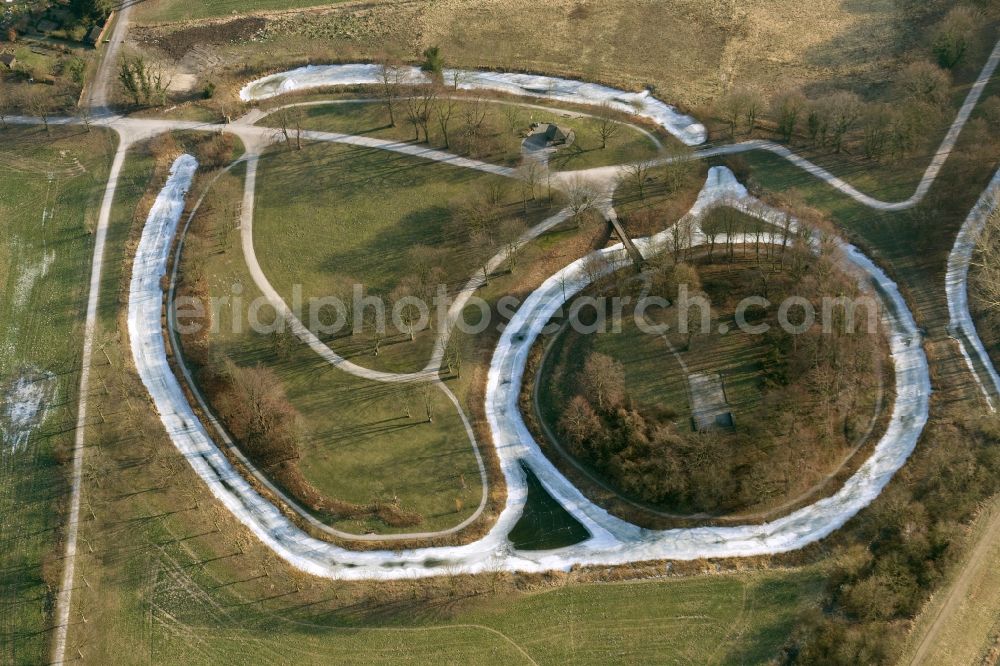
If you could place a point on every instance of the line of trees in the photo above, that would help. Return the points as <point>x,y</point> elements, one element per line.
<point>921,91</point>
<point>427,107</point>
<point>880,129</point>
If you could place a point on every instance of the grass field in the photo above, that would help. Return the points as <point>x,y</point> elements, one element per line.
<point>504,145</point>
<point>162,11</point>
<point>714,620</point>
<point>329,217</point>
<point>165,574</point>
<point>174,590</point>
<point>358,445</point>
<point>49,198</point>
<point>691,51</point>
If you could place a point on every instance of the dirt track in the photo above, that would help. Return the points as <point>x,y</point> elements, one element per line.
<point>959,594</point>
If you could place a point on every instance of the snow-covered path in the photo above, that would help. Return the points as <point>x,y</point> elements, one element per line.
<point>644,105</point>
<point>612,541</point>
<point>961,326</point>
<point>130,129</point>
<point>611,174</point>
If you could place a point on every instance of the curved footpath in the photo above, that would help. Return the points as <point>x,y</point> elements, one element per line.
<point>131,129</point>
<point>613,541</point>
<point>956,282</point>
<point>683,127</point>
<point>621,541</point>
<point>644,105</point>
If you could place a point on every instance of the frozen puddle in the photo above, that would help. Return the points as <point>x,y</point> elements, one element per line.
<point>641,104</point>
<point>24,407</point>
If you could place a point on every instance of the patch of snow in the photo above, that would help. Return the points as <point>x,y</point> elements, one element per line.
<point>24,407</point>
<point>29,276</point>
<point>642,104</point>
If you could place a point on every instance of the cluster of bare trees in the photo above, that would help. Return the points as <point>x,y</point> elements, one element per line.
<point>922,92</point>
<point>36,101</point>
<point>818,384</point>
<point>671,172</point>
<point>483,226</point>
<point>427,107</point>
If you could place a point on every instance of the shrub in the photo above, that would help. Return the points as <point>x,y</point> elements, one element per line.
<point>953,37</point>
<point>259,414</point>
<point>433,61</point>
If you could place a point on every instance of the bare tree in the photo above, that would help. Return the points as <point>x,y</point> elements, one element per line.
<point>603,381</point>
<point>678,168</point>
<point>788,107</point>
<point>409,313</point>
<point>607,125</point>
<point>5,106</point>
<point>474,115</point>
<point>730,226</point>
<point>511,231</point>
<point>259,414</point>
<point>579,422</point>
<point>39,103</point>
<point>484,245</point>
<point>877,122</point>
<point>530,174</point>
<point>731,108</point>
<point>444,110</point>
<point>754,102</point>
<point>373,325</point>
<point>297,119</point>
<point>711,233</point>
<point>742,103</point>
<point>844,110</point>
<point>419,106</point>
<point>512,115</point>
<point>289,121</point>
<point>428,396</point>
<point>475,214</point>
<point>637,175</point>
<point>596,266</point>
<point>924,81</point>
<point>390,83</point>
<point>758,228</point>
<point>453,359</point>
<point>817,122</point>
<point>954,34</point>
<point>142,81</point>
<point>681,237</point>
<point>83,113</point>
<point>583,198</point>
